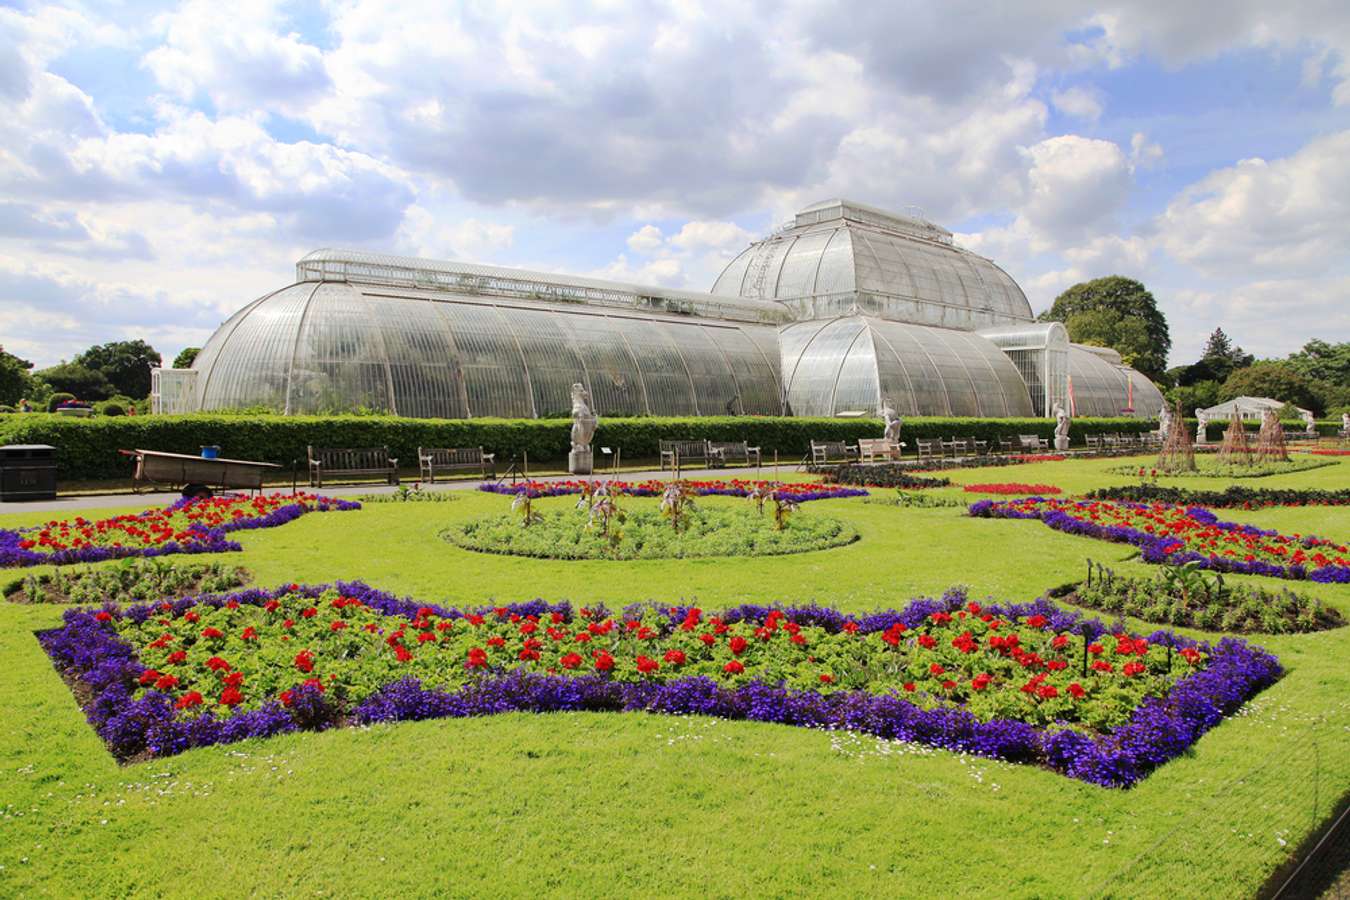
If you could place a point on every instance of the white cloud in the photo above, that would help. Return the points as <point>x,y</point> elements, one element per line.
<point>1144,154</point>
<point>1079,102</point>
<point>646,240</point>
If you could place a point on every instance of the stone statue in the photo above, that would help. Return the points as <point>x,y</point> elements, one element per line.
<point>581,460</point>
<point>1201,423</point>
<point>1309,421</point>
<point>893,422</point>
<point>1164,423</point>
<point>1345,424</point>
<point>1061,426</point>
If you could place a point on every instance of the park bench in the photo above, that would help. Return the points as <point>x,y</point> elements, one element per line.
<point>870,449</point>
<point>927,446</point>
<point>723,452</point>
<point>1033,443</point>
<point>1094,442</point>
<point>685,452</point>
<point>433,461</point>
<point>349,462</point>
<point>825,451</point>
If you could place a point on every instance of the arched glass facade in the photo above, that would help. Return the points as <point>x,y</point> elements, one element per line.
<point>852,363</point>
<point>319,347</point>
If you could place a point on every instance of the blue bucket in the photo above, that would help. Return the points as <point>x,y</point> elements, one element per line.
<point>211,452</point>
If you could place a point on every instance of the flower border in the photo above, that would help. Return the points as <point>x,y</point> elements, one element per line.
<point>213,539</point>
<point>798,492</point>
<point>1160,728</point>
<point>1159,548</point>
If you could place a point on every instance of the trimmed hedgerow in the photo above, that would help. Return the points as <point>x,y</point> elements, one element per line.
<point>88,447</point>
<point>881,475</point>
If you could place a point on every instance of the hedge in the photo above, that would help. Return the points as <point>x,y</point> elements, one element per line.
<point>87,448</point>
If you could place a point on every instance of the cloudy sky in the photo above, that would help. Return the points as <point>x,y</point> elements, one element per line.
<point>162,164</point>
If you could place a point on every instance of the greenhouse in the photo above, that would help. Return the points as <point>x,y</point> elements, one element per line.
<point>844,308</point>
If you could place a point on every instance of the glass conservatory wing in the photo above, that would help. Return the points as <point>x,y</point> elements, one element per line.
<point>812,369</point>
<point>664,375</point>
<point>423,364</point>
<point>495,377</point>
<point>1148,400</point>
<point>339,363</point>
<point>755,372</point>
<point>249,363</point>
<point>1096,386</point>
<point>612,374</point>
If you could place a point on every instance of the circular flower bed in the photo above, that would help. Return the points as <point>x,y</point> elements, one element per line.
<point>1012,487</point>
<point>648,534</point>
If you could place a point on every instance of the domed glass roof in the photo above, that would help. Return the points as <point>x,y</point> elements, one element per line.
<point>841,257</point>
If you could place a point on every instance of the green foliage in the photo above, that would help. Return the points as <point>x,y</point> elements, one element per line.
<point>186,357</point>
<point>56,399</point>
<point>88,447</point>
<point>1322,361</point>
<point>648,534</point>
<point>1116,312</point>
<point>111,408</point>
<point>1278,381</point>
<point>79,380</point>
<point>126,581</point>
<point>15,380</point>
<point>1210,467</point>
<point>405,494</point>
<point>125,364</point>
<point>1188,596</point>
<point>919,500</point>
<point>1200,395</point>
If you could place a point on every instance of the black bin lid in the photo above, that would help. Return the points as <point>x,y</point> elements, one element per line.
<point>27,450</point>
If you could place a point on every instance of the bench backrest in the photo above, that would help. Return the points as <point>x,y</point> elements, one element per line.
<point>336,458</point>
<point>732,448</point>
<point>830,449</point>
<point>451,456</point>
<point>686,449</point>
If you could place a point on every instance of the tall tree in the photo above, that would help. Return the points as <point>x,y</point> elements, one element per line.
<point>126,365</point>
<point>1323,361</point>
<point>72,378</point>
<point>1116,312</point>
<point>15,382</point>
<point>185,357</point>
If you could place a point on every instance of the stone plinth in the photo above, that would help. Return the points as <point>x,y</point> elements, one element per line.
<point>580,462</point>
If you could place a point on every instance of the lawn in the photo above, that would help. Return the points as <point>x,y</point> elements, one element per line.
<point>637,804</point>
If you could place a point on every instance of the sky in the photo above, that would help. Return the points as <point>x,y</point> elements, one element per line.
<point>163,164</point>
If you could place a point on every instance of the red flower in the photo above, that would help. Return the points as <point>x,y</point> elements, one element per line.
<point>909,686</point>
<point>477,658</point>
<point>936,669</point>
<point>250,634</point>
<point>981,681</point>
<point>402,653</point>
<point>1060,642</point>
<point>646,665</point>
<point>149,676</point>
<point>271,606</point>
<point>570,660</point>
<point>289,623</point>
<point>212,633</point>
<point>337,625</point>
<point>927,641</point>
<point>103,616</point>
<point>1131,669</point>
<point>425,636</point>
<point>675,657</point>
<point>1077,691</point>
<point>191,698</point>
<point>216,664</point>
<point>850,627</point>
<point>949,684</point>
<point>1047,691</point>
<point>496,642</point>
<point>191,615</point>
<point>584,637</point>
<point>734,667</point>
<point>528,628</point>
<point>166,682</point>
<point>177,657</point>
<point>826,678</point>
<point>231,604</point>
<point>1037,621</point>
<point>231,697</point>
<point>309,612</point>
<point>304,661</point>
<point>234,679</point>
<point>738,644</point>
<point>603,661</point>
<point>708,639</point>
<point>286,698</point>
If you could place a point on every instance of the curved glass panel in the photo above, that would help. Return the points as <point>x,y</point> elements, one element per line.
<point>494,371</point>
<point>612,375</point>
<point>756,376</point>
<point>423,364</point>
<point>798,275</point>
<point>669,391</point>
<point>253,365</point>
<point>815,371</point>
<point>339,363</point>
<point>835,273</point>
<point>1096,387</point>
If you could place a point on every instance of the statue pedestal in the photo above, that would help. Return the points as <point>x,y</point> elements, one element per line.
<point>580,462</point>
<point>1061,443</point>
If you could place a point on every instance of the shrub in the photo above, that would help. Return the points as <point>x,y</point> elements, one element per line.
<point>885,475</point>
<point>88,448</point>
<point>57,399</point>
<point>6,408</point>
<point>1232,497</point>
<point>111,408</point>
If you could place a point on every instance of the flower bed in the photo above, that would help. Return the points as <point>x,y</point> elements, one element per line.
<point>1233,497</point>
<point>1210,467</point>
<point>1178,534</point>
<point>1011,487</point>
<point>1038,457</point>
<point>188,526</point>
<point>1026,683</point>
<point>885,475</point>
<point>648,534</point>
<point>128,581</point>
<point>798,492</point>
<point>1327,451</point>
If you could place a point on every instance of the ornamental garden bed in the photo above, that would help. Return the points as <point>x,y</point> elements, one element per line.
<point>648,533</point>
<point>796,491</point>
<point>1211,467</point>
<point>188,526</point>
<point>1011,487</point>
<point>1190,597</point>
<point>1233,497</point>
<point>1026,683</point>
<point>1176,535</point>
<point>918,500</point>
<point>886,475</point>
<point>128,581</point>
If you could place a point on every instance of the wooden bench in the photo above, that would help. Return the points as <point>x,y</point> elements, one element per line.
<point>1005,444</point>
<point>347,462</point>
<point>723,452</point>
<point>927,446</point>
<point>1033,443</point>
<point>870,449</point>
<point>1094,442</point>
<point>437,460</point>
<point>824,451</point>
<point>685,452</point>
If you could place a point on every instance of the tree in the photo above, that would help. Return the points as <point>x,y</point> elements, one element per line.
<point>185,357</point>
<point>1201,395</point>
<point>125,364</point>
<point>15,382</point>
<point>1116,312</point>
<point>1276,380</point>
<point>1322,361</point>
<point>82,381</point>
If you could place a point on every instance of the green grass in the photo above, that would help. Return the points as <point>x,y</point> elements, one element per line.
<point>576,804</point>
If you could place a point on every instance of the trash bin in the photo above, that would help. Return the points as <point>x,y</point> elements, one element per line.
<point>27,472</point>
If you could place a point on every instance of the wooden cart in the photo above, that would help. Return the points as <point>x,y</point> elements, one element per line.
<point>196,475</point>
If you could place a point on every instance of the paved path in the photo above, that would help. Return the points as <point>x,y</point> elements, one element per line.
<point>73,502</point>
